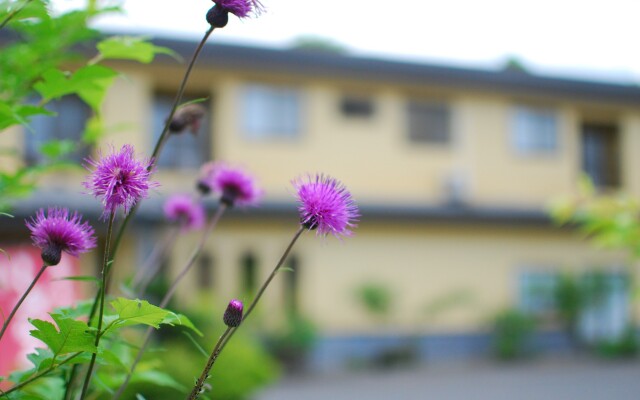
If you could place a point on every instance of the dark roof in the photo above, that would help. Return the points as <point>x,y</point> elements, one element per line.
<point>327,64</point>
<point>411,214</point>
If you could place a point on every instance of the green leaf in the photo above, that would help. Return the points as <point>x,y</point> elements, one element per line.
<point>90,83</point>
<point>175,319</point>
<point>134,312</point>
<point>57,148</point>
<point>93,82</point>
<point>157,378</point>
<point>93,130</point>
<point>131,48</point>
<point>72,336</point>
<point>80,278</point>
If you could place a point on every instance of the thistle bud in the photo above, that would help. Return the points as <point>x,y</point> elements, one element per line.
<point>218,17</point>
<point>188,116</point>
<point>233,314</point>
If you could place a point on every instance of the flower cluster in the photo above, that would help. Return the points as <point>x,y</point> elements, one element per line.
<point>234,185</point>
<point>57,230</point>
<point>119,180</point>
<point>326,205</point>
<point>183,209</point>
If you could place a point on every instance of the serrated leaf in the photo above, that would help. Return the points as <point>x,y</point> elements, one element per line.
<point>131,48</point>
<point>72,336</point>
<point>93,82</point>
<point>41,359</point>
<point>175,319</point>
<point>134,312</point>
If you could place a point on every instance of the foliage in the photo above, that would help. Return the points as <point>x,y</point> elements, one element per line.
<point>292,344</point>
<point>375,298</point>
<point>243,367</point>
<point>512,331</point>
<point>611,221</point>
<point>43,59</point>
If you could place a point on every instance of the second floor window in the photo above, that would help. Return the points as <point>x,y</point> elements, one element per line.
<point>68,124</point>
<point>270,112</point>
<point>534,130</point>
<point>429,122</point>
<point>187,150</point>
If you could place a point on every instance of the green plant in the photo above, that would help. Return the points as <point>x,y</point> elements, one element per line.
<point>512,331</point>
<point>376,299</point>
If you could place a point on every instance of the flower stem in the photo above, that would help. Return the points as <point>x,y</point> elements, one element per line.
<point>156,152</point>
<point>13,13</point>
<point>165,131</point>
<point>228,334</point>
<point>167,297</point>
<point>151,267</point>
<point>197,389</point>
<point>101,292</point>
<point>24,296</point>
<point>41,374</point>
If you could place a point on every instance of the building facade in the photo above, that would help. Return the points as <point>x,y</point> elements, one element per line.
<point>453,170</point>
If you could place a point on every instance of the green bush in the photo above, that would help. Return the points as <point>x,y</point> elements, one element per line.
<point>512,331</point>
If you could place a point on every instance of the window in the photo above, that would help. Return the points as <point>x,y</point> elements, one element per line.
<point>429,122</point>
<point>68,124</point>
<point>356,106</point>
<point>186,150</point>
<point>601,154</point>
<point>205,271</point>
<point>270,112</point>
<point>534,130</point>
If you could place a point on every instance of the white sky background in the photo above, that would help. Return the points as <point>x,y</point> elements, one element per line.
<point>586,38</point>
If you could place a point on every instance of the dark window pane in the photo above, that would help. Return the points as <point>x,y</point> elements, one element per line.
<point>68,124</point>
<point>352,106</point>
<point>601,154</point>
<point>429,122</point>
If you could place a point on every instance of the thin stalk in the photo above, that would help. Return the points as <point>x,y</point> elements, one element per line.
<point>24,296</point>
<point>197,389</point>
<point>151,267</point>
<point>165,131</point>
<point>41,374</point>
<point>13,14</point>
<point>105,263</point>
<point>156,152</point>
<point>167,297</point>
<point>228,334</point>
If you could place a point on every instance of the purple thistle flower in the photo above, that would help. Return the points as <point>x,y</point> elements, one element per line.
<point>234,185</point>
<point>233,314</point>
<point>240,8</point>
<point>119,179</point>
<point>59,231</point>
<point>326,205</point>
<point>183,209</point>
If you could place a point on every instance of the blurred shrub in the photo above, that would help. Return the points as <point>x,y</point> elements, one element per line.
<point>376,298</point>
<point>242,368</point>
<point>624,347</point>
<point>512,332</point>
<point>293,344</point>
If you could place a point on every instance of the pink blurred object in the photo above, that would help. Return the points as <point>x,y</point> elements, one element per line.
<point>16,273</point>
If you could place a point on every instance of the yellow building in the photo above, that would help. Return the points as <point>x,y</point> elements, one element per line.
<point>452,169</point>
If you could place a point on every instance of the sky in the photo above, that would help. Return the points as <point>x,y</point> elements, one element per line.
<point>592,39</point>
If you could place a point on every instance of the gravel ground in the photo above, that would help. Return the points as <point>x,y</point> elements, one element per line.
<point>542,379</point>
